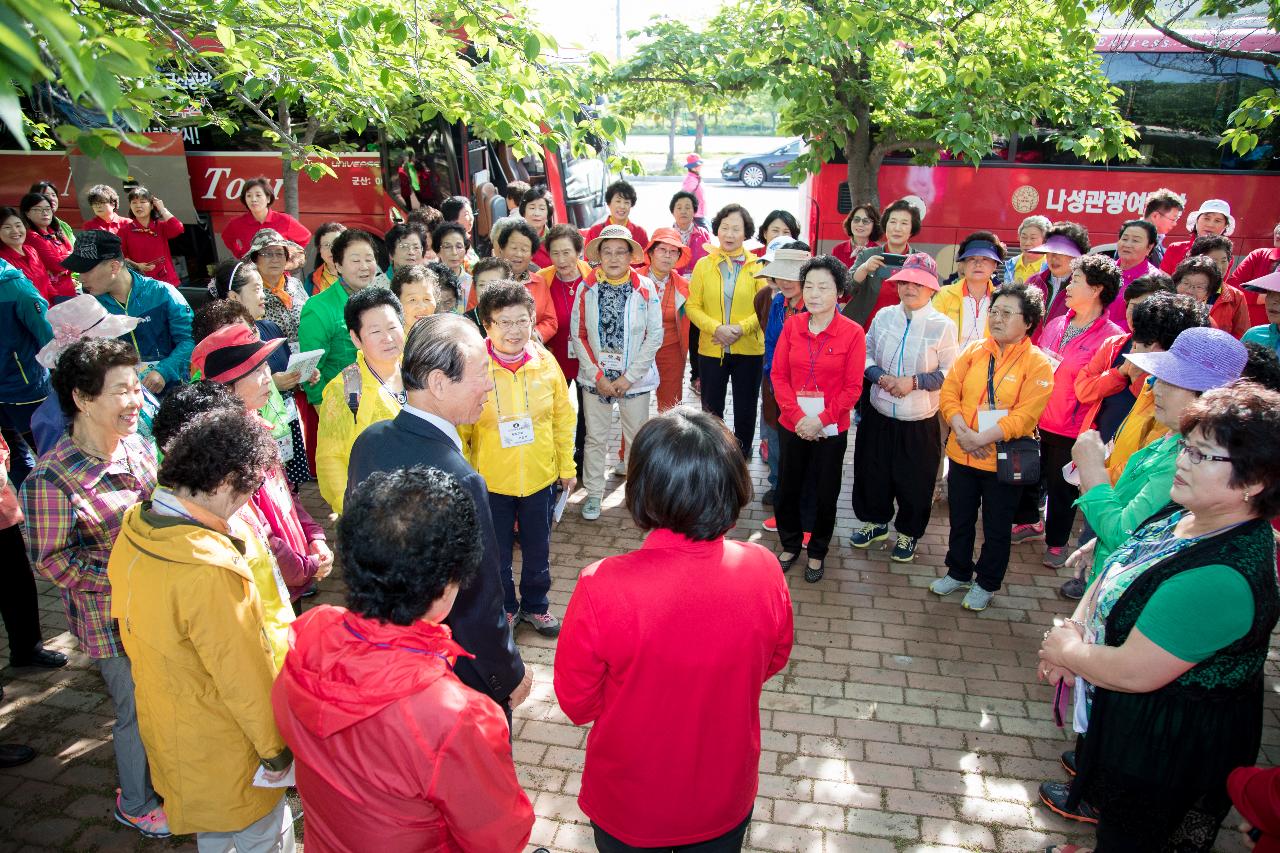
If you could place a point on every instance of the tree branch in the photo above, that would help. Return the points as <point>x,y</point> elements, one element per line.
<point>1231,53</point>
<point>884,149</point>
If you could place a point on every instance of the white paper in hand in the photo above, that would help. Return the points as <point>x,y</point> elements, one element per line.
<point>561,504</point>
<point>812,407</point>
<point>304,362</point>
<point>260,779</point>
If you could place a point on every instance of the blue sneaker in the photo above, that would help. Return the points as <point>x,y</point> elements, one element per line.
<point>869,535</point>
<point>904,551</point>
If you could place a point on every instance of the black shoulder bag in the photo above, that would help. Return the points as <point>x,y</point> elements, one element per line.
<point>1017,460</point>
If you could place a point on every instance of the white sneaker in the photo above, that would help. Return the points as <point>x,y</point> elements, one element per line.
<point>977,599</point>
<point>946,585</point>
<point>591,509</point>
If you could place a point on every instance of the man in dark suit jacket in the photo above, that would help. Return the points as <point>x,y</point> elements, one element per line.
<point>446,378</point>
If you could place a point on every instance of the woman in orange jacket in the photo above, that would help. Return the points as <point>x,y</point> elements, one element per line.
<point>1022,377</point>
<point>667,253</point>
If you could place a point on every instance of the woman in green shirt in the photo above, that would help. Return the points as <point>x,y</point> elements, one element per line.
<point>1165,652</point>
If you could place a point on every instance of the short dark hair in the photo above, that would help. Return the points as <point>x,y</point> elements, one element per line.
<point>518,226</point>
<point>413,274</point>
<point>1153,236</point>
<point>219,447</point>
<point>262,183</point>
<point>748,224</point>
<point>216,314</point>
<point>1162,200</point>
<point>83,367</point>
<point>1204,265</point>
<point>541,191</point>
<point>871,213</point>
<point>324,231</point>
<point>1100,271</point>
<point>140,192</point>
<point>366,300</point>
<point>427,216</point>
<point>444,229</point>
<point>1263,366</point>
<point>514,192</point>
<point>565,231</point>
<point>902,205</point>
<point>979,236</point>
<point>621,188</point>
<point>1160,319</point>
<point>503,294</point>
<point>435,343</point>
<point>452,208</point>
<point>1145,285</point>
<point>679,194</point>
<point>103,193</point>
<point>1205,245</point>
<point>348,238</point>
<point>446,279</point>
<point>839,272</point>
<point>1030,300</point>
<point>400,231</point>
<point>403,537</point>
<point>491,263</point>
<point>788,220</point>
<point>186,401</point>
<point>799,244</point>
<point>1244,419</point>
<point>687,475</point>
<point>245,272</point>
<point>1073,231</point>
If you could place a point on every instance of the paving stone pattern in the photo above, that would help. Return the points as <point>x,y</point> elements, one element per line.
<point>902,722</point>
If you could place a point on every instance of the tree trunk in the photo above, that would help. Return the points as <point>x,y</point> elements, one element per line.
<point>699,132</point>
<point>289,188</point>
<point>671,138</point>
<point>863,171</point>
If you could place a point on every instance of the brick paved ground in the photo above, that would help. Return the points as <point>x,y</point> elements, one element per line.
<point>902,723</point>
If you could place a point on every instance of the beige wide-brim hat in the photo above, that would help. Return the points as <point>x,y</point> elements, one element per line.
<point>785,265</point>
<point>613,232</point>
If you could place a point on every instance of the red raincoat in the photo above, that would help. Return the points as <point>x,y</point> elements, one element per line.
<point>393,753</point>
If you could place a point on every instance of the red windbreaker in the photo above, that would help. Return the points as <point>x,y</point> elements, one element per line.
<point>393,753</point>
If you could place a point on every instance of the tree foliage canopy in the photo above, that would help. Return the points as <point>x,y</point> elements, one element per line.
<point>289,69</point>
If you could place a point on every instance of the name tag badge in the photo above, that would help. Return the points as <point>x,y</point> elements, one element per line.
<point>286,448</point>
<point>516,432</point>
<point>612,361</point>
<point>1054,358</point>
<point>987,418</point>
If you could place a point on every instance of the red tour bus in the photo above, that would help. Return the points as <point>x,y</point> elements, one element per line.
<point>1178,98</point>
<point>200,176</point>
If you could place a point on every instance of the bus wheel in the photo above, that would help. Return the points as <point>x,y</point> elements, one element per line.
<point>752,175</point>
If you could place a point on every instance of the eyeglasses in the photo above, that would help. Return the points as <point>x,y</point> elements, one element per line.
<point>509,325</point>
<point>1002,314</point>
<point>862,220</point>
<point>272,256</point>
<point>1195,455</point>
<point>41,208</point>
<point>1202,289</point>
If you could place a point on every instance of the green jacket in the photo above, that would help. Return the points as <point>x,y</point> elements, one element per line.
<point>323,326</point>
<point>1115,512</point>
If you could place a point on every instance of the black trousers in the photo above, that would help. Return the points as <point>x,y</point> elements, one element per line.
<point>744,372</point>
<point>896,460</point>
<point>580,432</point>
<point>970,490</point>
<point>808,466</point>
<point>18,606</point>
<point>730,842</point>
<point>694,334</point>
<point>1055,453</point>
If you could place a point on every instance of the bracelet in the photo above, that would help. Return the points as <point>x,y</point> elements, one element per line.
<point>915,383</point>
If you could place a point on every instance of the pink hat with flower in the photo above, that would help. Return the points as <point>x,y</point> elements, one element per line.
<point>78,318</point>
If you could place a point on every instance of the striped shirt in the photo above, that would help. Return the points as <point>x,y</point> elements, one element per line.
<point>74,505</point>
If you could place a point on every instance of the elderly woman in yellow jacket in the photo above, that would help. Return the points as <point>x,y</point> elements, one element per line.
<point>192,624</point>
<point>721,304</point>
<point>362,393</point>
<point>523,447</point>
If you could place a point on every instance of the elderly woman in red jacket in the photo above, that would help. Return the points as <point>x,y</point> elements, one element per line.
<point>392,751</point>
<point>666,649</point>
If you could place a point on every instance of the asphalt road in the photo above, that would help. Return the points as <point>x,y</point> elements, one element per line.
<point>653,208</point>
